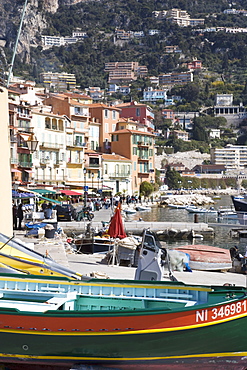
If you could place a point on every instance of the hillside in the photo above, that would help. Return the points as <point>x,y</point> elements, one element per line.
<point>189,159</point>
<point>221,53</point>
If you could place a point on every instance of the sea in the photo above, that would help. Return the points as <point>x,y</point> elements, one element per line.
<point>222,227</point>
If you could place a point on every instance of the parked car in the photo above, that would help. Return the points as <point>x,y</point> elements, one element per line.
<point>65,212</point>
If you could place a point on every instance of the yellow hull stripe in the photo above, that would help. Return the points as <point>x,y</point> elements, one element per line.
<point>204,355</point>
<point>76,282</point>
<point>127,332</point>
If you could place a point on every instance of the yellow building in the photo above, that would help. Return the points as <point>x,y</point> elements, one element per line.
<point>138,146</point>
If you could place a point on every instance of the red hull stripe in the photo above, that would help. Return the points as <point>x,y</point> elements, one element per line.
<point>127,332</point>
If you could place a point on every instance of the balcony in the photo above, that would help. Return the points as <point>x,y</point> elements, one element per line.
<point>119,175</point>
<point>93,165</point>
<point>26,164</point>
<point>26,129</point>
<point>142,158</point>
<point>49,178</point>
<point>142,143</point>
<point>79,144</point>
<point>24,115</point>
<point>75,161</point>
<point>13,139</point>
<point>51,145</point>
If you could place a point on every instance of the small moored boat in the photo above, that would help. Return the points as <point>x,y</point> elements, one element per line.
<point>205,257</point>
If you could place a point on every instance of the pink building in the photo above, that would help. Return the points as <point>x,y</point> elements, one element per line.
<point>138,112</point>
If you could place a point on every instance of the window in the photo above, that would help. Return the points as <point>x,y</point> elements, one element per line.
<point>47,123</point>
<point>138,113</point>
<point>106,127</point>
<point>114,137</point>
<point>106,113</point>
<point>105,169</point>
<point>93,161</point>
<point>134,150</point>
<point>114,127</point>
<point>134,139</point>
<point>114,114</point>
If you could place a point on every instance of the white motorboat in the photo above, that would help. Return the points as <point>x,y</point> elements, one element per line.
<point>194,209</point>
<point>143,208</point>
<point>177,206</point>
<point>129,211</point>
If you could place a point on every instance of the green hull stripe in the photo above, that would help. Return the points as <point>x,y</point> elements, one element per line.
<point>69,358</point>
<point>132,332</point>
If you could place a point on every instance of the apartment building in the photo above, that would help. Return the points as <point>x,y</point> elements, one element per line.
<point>59,81</point>
<point>138,146</point>
<point>50,159</point>
<point>116,173</point>
<point>20,130</point>
<point>182,18</point>
<point>76,108</point>
<point>139,112</point>
<point>108,117</point>
<point>124,71</point>
<point>233,157</point>
<point>152,95</point>
<point>170,79</point>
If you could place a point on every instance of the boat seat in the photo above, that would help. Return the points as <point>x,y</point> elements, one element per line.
<point>176,295</point>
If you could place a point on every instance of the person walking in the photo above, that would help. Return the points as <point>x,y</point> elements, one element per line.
<point>14,212</point>
<point>19,215</point>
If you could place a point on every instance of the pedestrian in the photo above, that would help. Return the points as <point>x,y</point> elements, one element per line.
<point>19,215</point>
<point>43,206</point>
<point>14,212</point>
<point>48,211</point>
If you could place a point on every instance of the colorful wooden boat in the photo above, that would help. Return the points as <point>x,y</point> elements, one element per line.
<point>16,257</point>
<point>206,257</point>
<point>58,322</point>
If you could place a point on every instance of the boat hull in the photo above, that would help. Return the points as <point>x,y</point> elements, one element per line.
<point>212,332</point>
<point>94,246</point>
<point>207,258</point>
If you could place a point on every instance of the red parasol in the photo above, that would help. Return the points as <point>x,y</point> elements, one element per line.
<point>116,228</point>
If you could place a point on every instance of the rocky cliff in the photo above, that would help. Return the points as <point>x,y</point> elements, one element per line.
<point>33,24</point>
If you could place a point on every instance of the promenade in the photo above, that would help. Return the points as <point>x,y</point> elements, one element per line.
<point>92,265</point>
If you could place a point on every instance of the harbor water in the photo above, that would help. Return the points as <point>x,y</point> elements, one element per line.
<point>222,227</point>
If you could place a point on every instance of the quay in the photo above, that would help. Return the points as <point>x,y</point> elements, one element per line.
<point>182,230</point>
<point>93,265</point>
<point>165,229</point>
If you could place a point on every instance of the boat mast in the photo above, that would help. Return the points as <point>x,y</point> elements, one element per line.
<point>16,43</point>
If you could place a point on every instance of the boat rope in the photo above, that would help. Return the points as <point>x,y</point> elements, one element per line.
<point>7,242</point>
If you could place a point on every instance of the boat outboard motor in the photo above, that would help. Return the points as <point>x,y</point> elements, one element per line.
<point>150,262</point>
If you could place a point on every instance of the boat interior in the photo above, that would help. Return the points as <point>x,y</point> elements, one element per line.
<point>37,295</point>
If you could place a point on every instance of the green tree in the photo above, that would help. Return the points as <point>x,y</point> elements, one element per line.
<point>146,188</point>
<point>173,178</point>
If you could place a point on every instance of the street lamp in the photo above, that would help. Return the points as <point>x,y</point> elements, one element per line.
<point>92,181</point>
<point>85,192</point>
<point>127,181</point>
<point>32,143</point>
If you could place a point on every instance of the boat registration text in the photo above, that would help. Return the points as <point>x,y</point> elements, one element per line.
<point>221,312</point>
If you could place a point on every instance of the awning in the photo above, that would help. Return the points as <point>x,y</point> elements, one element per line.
<point>50,200</point>
<point>29,171</point>
<point>14,170</point>
<point>44,191</point>
<point>25,136</point>
<point>16,194</point>
<point>70,192</point>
